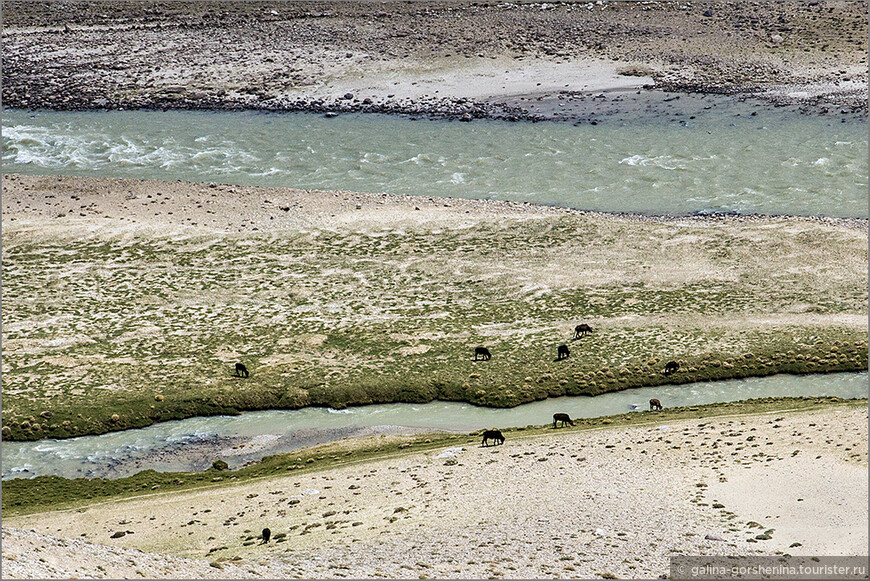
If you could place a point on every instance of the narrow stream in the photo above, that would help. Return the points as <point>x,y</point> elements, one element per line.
<point>192,444</point>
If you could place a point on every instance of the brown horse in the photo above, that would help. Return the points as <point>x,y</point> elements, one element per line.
<point>671,367</point>
<point>494,435</point>
<point>483,352</point>
<point>241,370</point>
<point>562,352</point>
<point>564,418</point>
<point>267,534</point>
<point>581,330</point>
<point>655,404</point>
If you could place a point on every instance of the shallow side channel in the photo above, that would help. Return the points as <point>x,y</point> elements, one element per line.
<point>192,444</point>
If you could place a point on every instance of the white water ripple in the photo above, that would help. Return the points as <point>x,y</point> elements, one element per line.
<point>798,165</point>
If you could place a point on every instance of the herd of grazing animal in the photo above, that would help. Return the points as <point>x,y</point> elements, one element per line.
<point>562,352</point>
<point>483,354</point>
<point>558,418</point>
<point>495,436</point>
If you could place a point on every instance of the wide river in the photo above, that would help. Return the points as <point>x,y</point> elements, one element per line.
<point>737,158</point>
<point>724,160</point>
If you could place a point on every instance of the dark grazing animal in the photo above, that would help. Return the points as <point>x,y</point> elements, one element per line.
<point>562,352</point>
<point>483,352</point>
<point>581,330</point>
<point>655,404</point>
<point>241,370</point>
<point>267,534</point>
<point>494,435</point>
<point>564,418</point>
<point>671,367</point>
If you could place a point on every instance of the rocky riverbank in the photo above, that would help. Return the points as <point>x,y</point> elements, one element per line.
<point>463,60</point>
<point>605,501</point>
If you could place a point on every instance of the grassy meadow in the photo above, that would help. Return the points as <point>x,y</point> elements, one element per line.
<point>117,327</point>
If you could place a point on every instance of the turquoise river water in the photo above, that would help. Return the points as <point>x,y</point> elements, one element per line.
<point>776,162</point>
<point>727,160</point>
<point>192,444</point>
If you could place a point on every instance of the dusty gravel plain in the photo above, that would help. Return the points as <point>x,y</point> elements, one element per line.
<point>572,503</point>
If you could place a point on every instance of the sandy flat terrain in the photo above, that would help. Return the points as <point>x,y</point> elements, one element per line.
<point>570,503</point>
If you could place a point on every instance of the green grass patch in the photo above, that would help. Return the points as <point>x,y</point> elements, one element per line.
<point>103,334</point>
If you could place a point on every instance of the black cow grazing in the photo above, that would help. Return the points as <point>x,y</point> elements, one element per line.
<point>483,352</point>
<point>494,435</point>
<point>562,352</point>
<point>581,330</point>
<point>564,418</point>
<point>267,534</point>
<point>671,367</point>
<point>655,404</point>
<point>241,370</point>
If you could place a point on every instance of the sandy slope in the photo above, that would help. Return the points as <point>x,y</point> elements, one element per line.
<point>567,504</point>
